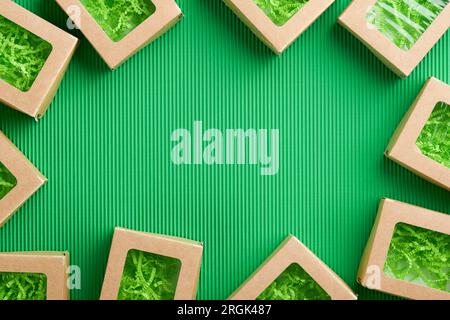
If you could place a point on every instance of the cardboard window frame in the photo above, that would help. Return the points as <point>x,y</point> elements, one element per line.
<point>187,251</point>
<point>278,38</point>
<point>36,101</point>
<point>166,15</point>
<point>399,61</point>
<point>403,149</point>
<point>291,251</point>
<point>29,179</point>
<point>52,264</point>
<point>390,213</point>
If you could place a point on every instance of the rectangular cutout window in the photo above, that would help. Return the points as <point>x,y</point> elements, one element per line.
<point>404,21</point>
<point>22,55</point>
<point>434,139</point>
<point>23,286</point>
<point>7,181</point>
<point>149,276</point>
<point>294,283</point>
<point>280,11</point>
<point>119,17</point>
<point>419,256</point>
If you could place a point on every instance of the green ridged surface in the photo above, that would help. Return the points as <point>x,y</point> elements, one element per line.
<point>105,147</point>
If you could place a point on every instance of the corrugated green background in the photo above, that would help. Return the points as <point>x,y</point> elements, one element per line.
<point>105,147</point>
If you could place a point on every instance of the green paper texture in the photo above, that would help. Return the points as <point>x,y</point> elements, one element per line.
<point>419,256</point>
<point>119,17</point>
<point>280,11</point>
<point>404,21</point>
<point>294,283</point>
<point>148,276</point>
<point>7,181</point>
<point>23,286</point>
<point>22,55</point>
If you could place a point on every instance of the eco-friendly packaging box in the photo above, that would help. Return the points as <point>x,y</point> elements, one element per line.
<point>19,179</point>
<point>400,33</point>
<point>278,23</point>
<point>145,266</point>
<point>34,276</point>
<point>421,143</point>
<point>118,29</point>
<point>34,57</point>
<point>408,252</point>
<point>293,272</point>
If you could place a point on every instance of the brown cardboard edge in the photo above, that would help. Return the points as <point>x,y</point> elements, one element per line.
<point>291,250</point>
<point>187,251</point>
<point>390,213</point>
<point>29,179</point>
<point>53,264</point>
<point>402,146</point>
<point>37,100</point>
<point>399,61</point>
<point>114,54</point>
<point>278,38</point>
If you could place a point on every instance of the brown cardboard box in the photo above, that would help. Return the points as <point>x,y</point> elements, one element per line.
<point>29,179</point>
<point>188,252</point>
<point>278,38</point>
<point>52,264</point>
<point>293,251</point>
<point>371,271</point>
<point>400,61</point>
<point>402,147</point>
<point>35,101</point>
<point>113,53</point>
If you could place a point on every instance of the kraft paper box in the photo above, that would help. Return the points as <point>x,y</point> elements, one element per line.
<point>19,179</point>
<point>274,31</point>
<point>408,252</point>
<point>118,38</point>
<point>421,142</point>
<point>34,276</point>
<point>293,272</point>
<point>45,52</point>
<point>399,36</point>
<point>145,266</point>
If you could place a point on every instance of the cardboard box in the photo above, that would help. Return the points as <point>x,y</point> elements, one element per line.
<point>181,256</point>
<point>293,252</point>
<point>25,177</point>
<point>372,273</point>
<point>402,62</point>
<point>50,267</point>
<point>35,100</point>
<point>403,147</point>
<point>166,14</point>
<point>277,37</point>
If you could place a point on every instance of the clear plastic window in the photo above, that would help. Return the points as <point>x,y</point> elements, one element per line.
<point>7,181</point>
<point>149,276</point>
<point>22,55</point>
<point>280,11</point>
<point>23,286</point>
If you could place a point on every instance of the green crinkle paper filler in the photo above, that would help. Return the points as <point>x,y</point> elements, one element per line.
<point>148,276</point>
<point>119,17</point>
<point>404,21</point>
<point>420,256</point>
<point>23,286</point>
<point>434,139</point>
<point>280,11</point>
<point>294,283</point>
<point>22,55</point>
<point>7,181</point>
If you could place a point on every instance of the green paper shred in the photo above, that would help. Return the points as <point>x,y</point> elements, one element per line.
<point>294,284</point>
<point>434,139</point>
<point>280,11</point>
<point>22,55</point>
<point>404,21</point>
<point>148,276</point>
<point>119,17</point>
<point>7,181</point>
<point>419,256</point>
<point>23,286</point>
